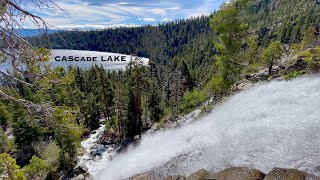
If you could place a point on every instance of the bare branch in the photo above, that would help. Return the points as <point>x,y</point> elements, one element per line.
<point>32,108</point>
<point>20,54</point>
<point>14,78</point>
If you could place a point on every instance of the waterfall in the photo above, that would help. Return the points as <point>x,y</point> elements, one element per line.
<point>273,124</point>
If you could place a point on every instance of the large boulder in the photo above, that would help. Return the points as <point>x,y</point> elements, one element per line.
<point>80,170</point>
<point>79,177</point>
<point>264,75</point>
<point>144,176</point>
<point>238,173</point>
<point>289,174</point>
<point>299,65</point>
<point>243,85</point>
<point>199,175</point>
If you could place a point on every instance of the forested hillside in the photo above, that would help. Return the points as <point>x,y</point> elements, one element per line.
<point>156,42</point>
<point>283,19</point>
<point>191,61</point>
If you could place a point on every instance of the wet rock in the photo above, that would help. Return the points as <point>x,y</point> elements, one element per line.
<point>177,177</point>
<point>262,75</point>
<point>299,65</point>
<point>281,67</point>
<point>199,175</point>
<point>243,85</point>
<point>144,176</point>
<point>108,137</point>
<point>79,177</point>
<point>148,125</point>
<point>238,173</point>
<point>97,151</point>
<point>289,174</point>
<point>124,144</point>
<point>79,172</point>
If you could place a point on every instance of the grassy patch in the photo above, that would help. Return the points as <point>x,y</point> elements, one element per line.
<point>160,123</point>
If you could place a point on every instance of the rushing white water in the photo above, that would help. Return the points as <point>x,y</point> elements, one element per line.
<point>90,145</point>
<point>271,125</point>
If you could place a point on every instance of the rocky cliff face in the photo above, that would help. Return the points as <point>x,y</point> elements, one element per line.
<point>236,173</point>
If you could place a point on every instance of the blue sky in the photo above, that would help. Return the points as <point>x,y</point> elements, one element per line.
<point>97,14</point>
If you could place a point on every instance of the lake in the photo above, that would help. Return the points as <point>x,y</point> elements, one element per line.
<point>86,59</point>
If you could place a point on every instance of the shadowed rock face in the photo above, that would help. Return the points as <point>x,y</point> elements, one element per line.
<point>299,65</point>
<point>177,177</point>
<point>238,173</point>
<point>199,175</point>
<point>289,174</point>
<point>144,176</point>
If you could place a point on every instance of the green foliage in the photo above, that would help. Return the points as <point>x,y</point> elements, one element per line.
<point>216,86</point>
<point>312,57</point>
<point>9,170</point>
<point>24,131</point>
<point>49,152</point>
<point>308,36</point>
<point>51,155</point>
<point>294,74</point>
<point>284,20</point>
<point>192,100</point>
<point>160,124</point>
<point>231,30</point>
<point>37,168</point>
<point>33,59</point>
<point>67,135</point>
<point>272,54</point>
<point>5,116</point>
<point>206,108</point>
<point>6,145</point>
<point>294,48</point>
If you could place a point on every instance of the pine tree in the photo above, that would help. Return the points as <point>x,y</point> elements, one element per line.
<point>271,54</point>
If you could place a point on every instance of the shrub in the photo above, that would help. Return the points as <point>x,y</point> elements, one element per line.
<point>192,100</point>
<point>312,57</point>
<point>9,170</point>
<point>6,144</point>
<point>294,74</point>
<point>37,168</point>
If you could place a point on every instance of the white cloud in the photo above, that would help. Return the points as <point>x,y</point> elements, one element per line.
<point>95,26</point>
<point>82,14</point>
<point>148,19</point>
<point>158,11</point>
<point>166,20</point>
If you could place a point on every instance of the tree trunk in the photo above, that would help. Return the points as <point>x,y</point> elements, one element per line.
<point>270,67</point>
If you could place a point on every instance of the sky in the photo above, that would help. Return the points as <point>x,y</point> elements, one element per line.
<point>100,14</point>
